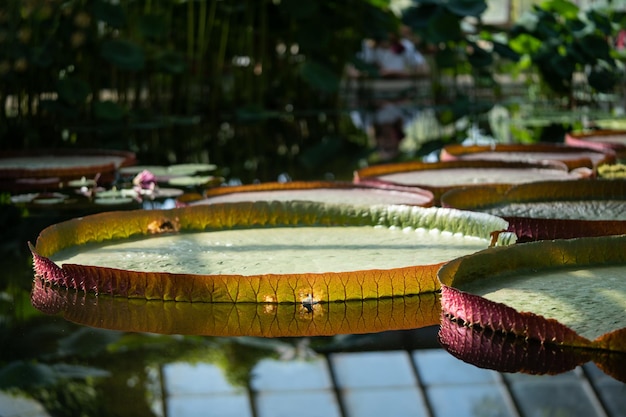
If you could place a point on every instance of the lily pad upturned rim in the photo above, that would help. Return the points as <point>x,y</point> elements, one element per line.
<point>485,196</point>
<point>128,158</point>
<point>495,263</point>
<point>275,288</point>
<point>594,140</point>
<point>530,228</point>
<point>457,151</point>
<point>315,185</point>
<point>373,174</point>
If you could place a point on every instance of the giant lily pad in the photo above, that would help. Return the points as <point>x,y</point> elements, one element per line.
<point>569,292</point>
<point>551,209</point>
<point>614,140</point>
<point>298,252</point>
<point>64,165</point>
<point>440,177</point>
<point>573,157</point>
<point>321,191</point>
<point>239,319</point>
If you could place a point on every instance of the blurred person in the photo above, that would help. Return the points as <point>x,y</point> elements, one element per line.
<point>395,57</point>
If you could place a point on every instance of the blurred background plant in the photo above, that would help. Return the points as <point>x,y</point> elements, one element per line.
<point>251,82</point>
<point>258,86</point>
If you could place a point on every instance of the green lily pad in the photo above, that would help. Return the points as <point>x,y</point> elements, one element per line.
<point>565,292</point>
<point>297,252</point>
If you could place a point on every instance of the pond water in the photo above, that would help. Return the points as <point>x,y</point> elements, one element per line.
<point>79,354</point>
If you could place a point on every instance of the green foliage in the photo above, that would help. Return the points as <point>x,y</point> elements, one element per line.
<point>439,25</point>
<point>76,68</point>
<point>561,41</point>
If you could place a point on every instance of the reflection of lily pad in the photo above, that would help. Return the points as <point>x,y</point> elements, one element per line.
<point>499,351</point>
<point>566,292</point>
<point>283,252</point>
<point>244,319</point>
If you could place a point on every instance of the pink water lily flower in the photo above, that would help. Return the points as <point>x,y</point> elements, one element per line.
<point>145,180</point>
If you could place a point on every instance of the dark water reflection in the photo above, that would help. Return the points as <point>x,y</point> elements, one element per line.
<point>483,348</point>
